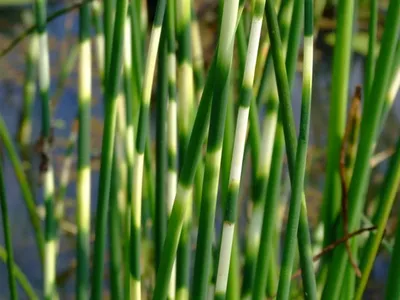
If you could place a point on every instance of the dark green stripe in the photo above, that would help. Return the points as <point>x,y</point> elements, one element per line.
<point>171,90</point>
<point>245,96</point>
<point>231,205</point>
<point>40,10</point>
<point>160,10</point>
<point>218,111</point>
<point>143,127</point>
<point>309,18</point>
<point>172,160</point>
<point>184,51</point>
<point>135,252</point>
<point>219,296</point>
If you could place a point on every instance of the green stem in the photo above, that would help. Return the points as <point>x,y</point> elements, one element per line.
<point>83,180</point>
<point>112,88</point>
<point>7,237</point>
<point>368,135</point>
<point>387,197</point>
<point>370,63</point>
<point>25,187</point>
<point>142,135</point>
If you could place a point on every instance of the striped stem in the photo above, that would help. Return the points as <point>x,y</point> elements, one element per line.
<point>304,242</point>
<point>269,126</point>
<point>198,62</point>
<point>161,148</point>
<point>25,187</point>
<point>238,150</point>
<point>7,238</point>
<point>111,88</point>
<point>172,127</point>
<point>301,156</point>
<point>97,9</point>
<point>269,216</point>
<point>108,29</point>
<point>140,149</point>
<point>185,185</point>
<point>185,118</point>
<point>84,137</point>
<point>214,150</point>
<point>46,164</point>
<point>368,134</point>
<point>29,90</point>
<point>114,229</point>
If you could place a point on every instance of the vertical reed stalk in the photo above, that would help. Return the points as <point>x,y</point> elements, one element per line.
<point>393,285</point>
<point>114,230</point>
<point>84,137</point>
<point>140,149</point>
<point>198,62</point>
<point>304,243</point>
<point>185,119</point>
<point>387,196</point>
<point>337,117</point>
<point>368,134</point>
<point>25,188</point>
<point>7,238</point>
<point>214,149</point>
<point>112,88</point>
<point>370,63</point>
<point>97,8</point>
<point>301,156</point>
<point>161,148</point>
<point>46,164</point>
<point>172,127</point>
<point>29,90</point>
<point>238,150</point>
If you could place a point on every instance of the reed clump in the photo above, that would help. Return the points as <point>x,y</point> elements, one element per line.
<point>189,199</point>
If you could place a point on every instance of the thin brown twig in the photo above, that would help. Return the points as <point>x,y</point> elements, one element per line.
<point>342,170</point>
<point>332,246</point>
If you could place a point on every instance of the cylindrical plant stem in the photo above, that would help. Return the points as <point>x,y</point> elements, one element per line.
<point>304,242</point>
<point>161,148</point>
<point>108,29</point>
<point>142,132</point>
<point>185,185</point>
<point>393,285</point>
<point>114,230</point>
<point>387,197</point>
<point>7,237</point>
<point>25,187</point>
<point>112,88</point>
<point>301,156</point>
<point>84,137</point>
<point>368,134</point>
<point>337,118</point>
<point>270,216</point>
<point>214,149</point>
<point>46,164</point>
<point>198,61</point>
<point>183,14</point>
<point>97,8</point>
<point>370,63</point>
<point>29,90</point>
<point>238,150</point>
<point>172,127</point>
<point>393,88</point>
